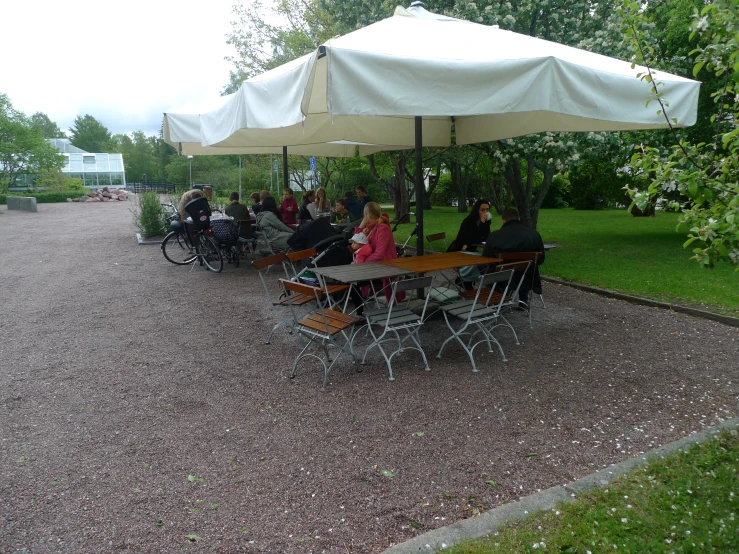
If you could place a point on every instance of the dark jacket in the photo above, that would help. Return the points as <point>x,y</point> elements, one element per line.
<point>514,236</point>
<point>470,233</point>
<point>354,207</point>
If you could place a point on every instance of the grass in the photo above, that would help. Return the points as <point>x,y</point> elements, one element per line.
<point>685,503</point>
<point>613,250</point>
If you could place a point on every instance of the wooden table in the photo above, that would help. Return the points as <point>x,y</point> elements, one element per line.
<point>439,262</point>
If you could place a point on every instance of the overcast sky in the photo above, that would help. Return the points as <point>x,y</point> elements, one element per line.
<point>124,63</point>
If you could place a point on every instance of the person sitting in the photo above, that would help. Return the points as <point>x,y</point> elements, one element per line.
<point>255,202</point>
<point>340,214</point>
<point>514,236</point>
<point>273,229</point>
<point>187,197</point>
<point>474,229</point>
<point>355,208</point>
<point>308,208</point>
<point>289,207</point>
<point>322,203</point>
<point>472,232</point>
<point>239,212</point>
<point>364,198</point>
<point>382,244</point>
<point>236,209</point>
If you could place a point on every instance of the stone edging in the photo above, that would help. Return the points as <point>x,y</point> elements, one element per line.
<point>145,242</point>
<point>725,319</point>
<point>492,520</point>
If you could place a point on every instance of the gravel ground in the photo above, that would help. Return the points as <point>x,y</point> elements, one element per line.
<point>139,405</point>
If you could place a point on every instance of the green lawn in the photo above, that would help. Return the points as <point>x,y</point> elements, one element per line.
<point>685,503</point>
<point>613,250</point>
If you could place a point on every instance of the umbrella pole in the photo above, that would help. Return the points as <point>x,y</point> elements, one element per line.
<point>419,186</point>
<point>285,177</point>
<point>419,193</point>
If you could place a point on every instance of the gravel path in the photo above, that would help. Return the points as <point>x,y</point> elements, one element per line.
<point>122,375</point>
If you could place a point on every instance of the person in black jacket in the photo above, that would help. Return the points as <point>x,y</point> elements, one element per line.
<point>514,236</point>
<point>474,229</point>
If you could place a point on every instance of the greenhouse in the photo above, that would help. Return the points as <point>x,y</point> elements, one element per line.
<point>94,170</point>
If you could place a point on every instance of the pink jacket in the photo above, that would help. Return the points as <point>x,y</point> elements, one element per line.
<point>383,248</point>
<point>383,244</point>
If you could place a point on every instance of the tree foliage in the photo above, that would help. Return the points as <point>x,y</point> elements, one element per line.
<point>49,129</point>
<point>706,173</point>
<point>89,134</point>
<point>23,149</point>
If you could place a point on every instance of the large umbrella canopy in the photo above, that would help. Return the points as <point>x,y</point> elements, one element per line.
<point>182,131</point>
<point>417,72</point>
<point>368,85</point>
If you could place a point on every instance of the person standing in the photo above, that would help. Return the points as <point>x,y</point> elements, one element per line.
<point>514,236</point>
<point>364,198</point>
<point>289,208</point>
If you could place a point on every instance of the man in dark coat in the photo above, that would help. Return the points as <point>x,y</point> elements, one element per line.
<point>514,236</point>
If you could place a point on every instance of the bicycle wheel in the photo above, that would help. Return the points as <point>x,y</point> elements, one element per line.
<point>176,250</point>
<point>210,254</point>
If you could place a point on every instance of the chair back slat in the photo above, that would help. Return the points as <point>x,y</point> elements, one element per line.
<point>301,255</point>
<point>496,277</point>
<point>268,261</point>
<point>436,236</point>
<point>413,284</point>
<point>300,288</point>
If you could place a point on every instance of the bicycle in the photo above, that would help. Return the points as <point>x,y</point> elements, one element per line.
<point>192,241</point>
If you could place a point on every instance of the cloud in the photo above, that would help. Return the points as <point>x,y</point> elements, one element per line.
<point>123,63</point>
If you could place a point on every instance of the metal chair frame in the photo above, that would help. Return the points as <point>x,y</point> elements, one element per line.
<point>320,327</point>
<point>394,319</point>
<point>532,257</point>
<point>477,313</point>
<point>263,266</point>
<point>431,239</point>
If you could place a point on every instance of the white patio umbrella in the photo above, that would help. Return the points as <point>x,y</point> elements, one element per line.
<point>182,131</point>
<point>418,71</point>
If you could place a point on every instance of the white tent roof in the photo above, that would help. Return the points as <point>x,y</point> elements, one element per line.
<point>494,83</point>
<point>182,131</point>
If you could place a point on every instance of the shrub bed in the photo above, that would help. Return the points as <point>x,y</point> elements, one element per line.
<point>46,197</point>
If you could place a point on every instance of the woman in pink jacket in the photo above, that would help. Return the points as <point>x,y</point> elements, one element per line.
<point>382,243</point>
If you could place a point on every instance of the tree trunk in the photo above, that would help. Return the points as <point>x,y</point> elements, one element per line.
<point>460,186</point>
<point>396,187</point>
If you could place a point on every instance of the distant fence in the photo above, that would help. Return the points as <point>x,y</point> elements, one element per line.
<point>164,187</point>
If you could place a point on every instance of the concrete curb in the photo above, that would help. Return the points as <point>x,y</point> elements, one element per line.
<point>725,319</point>
<point>492,520</point>
<point>146,242</point>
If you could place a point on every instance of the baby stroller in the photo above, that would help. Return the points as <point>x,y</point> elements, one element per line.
<point>226,235</point>
<point>331,247</point>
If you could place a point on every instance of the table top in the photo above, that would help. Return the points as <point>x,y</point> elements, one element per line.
<point>439,262</point>
<point>355,273</point>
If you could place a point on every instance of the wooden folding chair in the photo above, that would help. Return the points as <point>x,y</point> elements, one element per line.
<point>322,327</point>
<point>328,290</point>
<point>435,238</point>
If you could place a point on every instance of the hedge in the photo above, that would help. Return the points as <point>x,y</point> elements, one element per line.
<point>46,197</point>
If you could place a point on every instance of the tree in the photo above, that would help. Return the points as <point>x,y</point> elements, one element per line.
<point>23,149</point>
<point>89,134</point>
<point>707,173</point>
<point>49,129</point>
